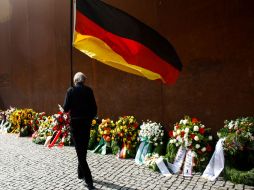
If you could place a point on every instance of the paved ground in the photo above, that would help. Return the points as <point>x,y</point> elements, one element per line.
<point>25,165</point>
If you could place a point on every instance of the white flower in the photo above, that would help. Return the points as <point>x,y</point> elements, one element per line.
<point>202,126</point>
<point>177,144</point>
<point>179,138</point>
<point>161,142</point>
<point>196,138</point>
<point>155,144</point>
<point>230,125</point>
<point>195,128</point>
<point>197,146</point>
<point>186,143</point>
<point>178,131</point>
<point>187,130</point>
<point>183,121</point>
<point>218,134</point>
<point>202,159</point>
<point>174,140</point>
<point>210,138</point>
<point>203,149</point>
<point>174,133</point>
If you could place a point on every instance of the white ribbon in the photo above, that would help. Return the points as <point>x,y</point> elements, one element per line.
<point>176,166</point>
<point>188,164</point>
<point>3,126</point>
<point>216,164</point>
<point>141,153</point>
<point>47,142</point>
<point>163,168</point>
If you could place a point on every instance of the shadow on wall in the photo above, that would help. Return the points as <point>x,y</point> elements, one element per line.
<point>2,107</point>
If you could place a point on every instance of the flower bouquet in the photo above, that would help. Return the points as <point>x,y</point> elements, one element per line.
<point>150,161</point>
<point>21,122</point>
<point>45,130</point>
<point>190,137</point>
<point>105,133</point>
<point>151,136</point>
<point>94,136</point>
<point>61,129</point>
<point>5,123</point>
<point>37,119</point>
<point>239,150</point>
<point>124,138</point>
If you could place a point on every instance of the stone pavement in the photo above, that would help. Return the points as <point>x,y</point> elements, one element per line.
<point>25,165</point>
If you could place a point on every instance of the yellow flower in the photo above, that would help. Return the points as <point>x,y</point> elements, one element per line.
<point>93,122</point>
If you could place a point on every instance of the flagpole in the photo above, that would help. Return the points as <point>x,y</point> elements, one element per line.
<point>71,39</point>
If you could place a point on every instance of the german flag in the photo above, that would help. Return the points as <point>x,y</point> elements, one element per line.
<point>117,39</point>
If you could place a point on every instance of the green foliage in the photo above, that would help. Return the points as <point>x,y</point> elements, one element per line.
<point>239,176</point>
<point>171,152</point>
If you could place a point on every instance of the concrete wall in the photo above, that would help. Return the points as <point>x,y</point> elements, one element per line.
<point>214,39</point>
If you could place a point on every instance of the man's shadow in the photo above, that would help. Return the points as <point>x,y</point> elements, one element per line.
<point>111,185</point>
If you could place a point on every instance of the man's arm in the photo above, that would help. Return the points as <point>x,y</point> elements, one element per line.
<point>67,101</point>
<point>93,105</point>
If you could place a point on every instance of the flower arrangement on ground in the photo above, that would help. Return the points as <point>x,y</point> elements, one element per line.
<point>239,149</point>
<point>5,123</point>
<point>61,129</point>
<point>37,119</point>
<point>191,134</point>
<point>124,137</point>
<point>151,136</point>
<point>94,136</point>
<point>105,131</point>
<point>45,130</point>
<point>150,159</point>
<point>20,121</point>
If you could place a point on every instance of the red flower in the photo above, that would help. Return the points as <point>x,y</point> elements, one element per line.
<point>177,126</point>
<point>200,152</point>
<point>60,119</point>
<point>192,136</point>
<point>194,120</point>
<point>202,130</point>
<point>108,138</point>
<point>182,133</point>
<point>170,133</point>
<point>55,128</point>
<point>208,148</point>
<point>60,112</point>
<point>135,125</point>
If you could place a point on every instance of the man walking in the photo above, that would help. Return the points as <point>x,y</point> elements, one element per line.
<point>80,101</point>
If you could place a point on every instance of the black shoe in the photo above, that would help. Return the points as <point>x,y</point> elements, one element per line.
<point>80,176</point>
<point>90,187</point>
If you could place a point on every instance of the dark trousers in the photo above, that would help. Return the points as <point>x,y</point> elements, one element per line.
<point>80,131</point>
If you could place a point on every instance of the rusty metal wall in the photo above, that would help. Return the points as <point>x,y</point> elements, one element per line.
<point>34,53</point>
<point>214,40</point>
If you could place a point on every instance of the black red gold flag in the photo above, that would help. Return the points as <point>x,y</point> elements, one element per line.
<point>117,39</point>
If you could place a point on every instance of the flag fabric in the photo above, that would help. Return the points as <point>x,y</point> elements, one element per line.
<point>117,39</point>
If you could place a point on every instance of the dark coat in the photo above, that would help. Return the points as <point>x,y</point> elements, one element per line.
<point>80,101</point>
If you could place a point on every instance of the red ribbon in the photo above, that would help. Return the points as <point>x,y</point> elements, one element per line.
<point>55,139</point>
<point>123,151</point>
